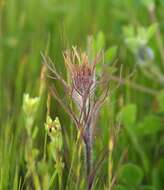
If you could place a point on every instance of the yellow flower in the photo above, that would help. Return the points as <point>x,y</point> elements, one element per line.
<point>30,105</point>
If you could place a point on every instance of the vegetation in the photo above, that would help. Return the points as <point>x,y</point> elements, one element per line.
<point>119,46</point>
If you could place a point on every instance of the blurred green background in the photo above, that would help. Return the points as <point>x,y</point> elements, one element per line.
<point>135,108</point>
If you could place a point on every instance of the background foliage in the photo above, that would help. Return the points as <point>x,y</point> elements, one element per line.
<point>130,32</point>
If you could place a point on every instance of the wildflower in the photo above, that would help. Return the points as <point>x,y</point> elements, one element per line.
<point>54,130</point>
<point>53,127</point>
<point>30,105</point>
<point>82,72</point>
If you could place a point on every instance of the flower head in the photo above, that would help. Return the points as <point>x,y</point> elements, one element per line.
<point>30,105</point>
<point>54,131</point>
<point>53,127</point>
<point>82,73</point>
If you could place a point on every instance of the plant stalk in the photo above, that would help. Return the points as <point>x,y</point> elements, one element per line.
<point>88,146</point>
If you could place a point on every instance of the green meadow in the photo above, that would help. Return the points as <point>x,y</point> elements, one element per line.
<point>41,145</point>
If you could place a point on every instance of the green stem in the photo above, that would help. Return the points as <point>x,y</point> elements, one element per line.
<point>88,146</point>
<point>60,181</point>
<point>158,36</point>
<point>52,179</point>
<point>45,146</point>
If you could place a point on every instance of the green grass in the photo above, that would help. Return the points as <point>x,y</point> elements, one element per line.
<point>29,27</point>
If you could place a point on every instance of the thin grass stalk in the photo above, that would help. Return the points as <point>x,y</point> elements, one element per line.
<point>88,147</point>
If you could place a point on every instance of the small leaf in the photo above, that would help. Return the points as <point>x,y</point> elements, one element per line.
<point>150,125</point>
<point>131,175</point>
<point>110,54</point>
<point>129,31</point>
<point>142,33</point>
<point>127,115</point>
<point>132,44</point>
<point>100,41</point>
<point>152,30</point>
